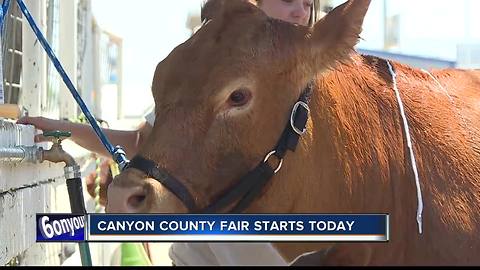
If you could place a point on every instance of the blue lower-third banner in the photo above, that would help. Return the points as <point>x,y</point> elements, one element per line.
<point>242,228</point>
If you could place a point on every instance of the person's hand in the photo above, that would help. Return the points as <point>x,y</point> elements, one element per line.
<point>42,123</point>
<point>105,180</point>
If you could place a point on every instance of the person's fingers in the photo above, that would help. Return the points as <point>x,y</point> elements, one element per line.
<point>39,122</point>
<point>90,182</point>
<point>103,191</point>
<point>24,120</point>
<point>40,138</point>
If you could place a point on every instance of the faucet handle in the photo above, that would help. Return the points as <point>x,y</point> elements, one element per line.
<point>57,135</point>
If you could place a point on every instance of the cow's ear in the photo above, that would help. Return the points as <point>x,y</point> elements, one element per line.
<point>225,9</point>
<point>336,34</point>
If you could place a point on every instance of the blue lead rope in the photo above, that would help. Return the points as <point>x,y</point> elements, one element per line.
<point>3,14</point>
<point>4,11</point>
<point>6,4</point>
<point>117,152</point>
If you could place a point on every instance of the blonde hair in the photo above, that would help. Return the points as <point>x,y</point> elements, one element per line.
<point>314,14</point>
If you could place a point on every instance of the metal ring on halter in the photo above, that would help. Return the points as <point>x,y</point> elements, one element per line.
<point>279,164</point>
<point>292,117</point>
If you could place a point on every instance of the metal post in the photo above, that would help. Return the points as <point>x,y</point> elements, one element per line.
<point>385,29</point>
<point>34,71</point>
<point>3,13</point>
<point>68,54</point>
<point>120,80</point>
<point>2,93</point>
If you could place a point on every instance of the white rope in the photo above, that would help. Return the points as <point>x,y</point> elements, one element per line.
<point>410,148</point>
<point>438,83</point>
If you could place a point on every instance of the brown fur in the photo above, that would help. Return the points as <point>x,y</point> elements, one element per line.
<point>353,158</point>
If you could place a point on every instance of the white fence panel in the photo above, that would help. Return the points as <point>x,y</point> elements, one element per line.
<point>28,189</point>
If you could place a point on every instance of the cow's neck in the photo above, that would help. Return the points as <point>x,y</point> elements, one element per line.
<point>352,160</point>
<point>354,148</point>
<point>352,157</point>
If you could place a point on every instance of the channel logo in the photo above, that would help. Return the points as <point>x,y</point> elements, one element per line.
<point>60,228</point>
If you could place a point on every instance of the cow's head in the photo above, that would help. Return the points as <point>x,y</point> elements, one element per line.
<point>223,98</point>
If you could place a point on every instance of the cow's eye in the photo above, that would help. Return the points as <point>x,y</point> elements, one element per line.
<point>240,97</point>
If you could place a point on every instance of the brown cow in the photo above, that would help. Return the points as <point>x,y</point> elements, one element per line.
<point>223,98</point>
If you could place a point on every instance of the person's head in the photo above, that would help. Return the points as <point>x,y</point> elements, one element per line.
<point>293,11</point>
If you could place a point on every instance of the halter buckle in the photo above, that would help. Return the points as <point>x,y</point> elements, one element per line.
<point>294,113</point>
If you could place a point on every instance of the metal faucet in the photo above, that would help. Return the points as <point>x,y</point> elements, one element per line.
<point>56,154</point>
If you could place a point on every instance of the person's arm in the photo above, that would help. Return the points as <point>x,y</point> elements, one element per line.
<point>84,135</point>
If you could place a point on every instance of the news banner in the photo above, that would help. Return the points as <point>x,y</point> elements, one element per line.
<point>212,228</point>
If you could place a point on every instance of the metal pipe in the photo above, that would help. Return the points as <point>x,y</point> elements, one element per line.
<point>19,154</point>
<point>12,155</point>
<point>13,85</point>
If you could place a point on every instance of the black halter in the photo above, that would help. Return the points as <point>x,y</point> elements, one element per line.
<point>250,185</point>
